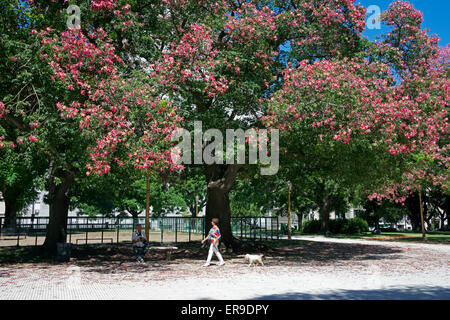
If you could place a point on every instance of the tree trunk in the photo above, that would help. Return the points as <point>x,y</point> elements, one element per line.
<point>10,214</point>
<point>442,221</point>
<point>324,212</point>
<point>445,213</point>
<point>377,222</point>
<point>413,205</point>
<point>218,206</point>
<point>427,218</point>
<point>300,221</point>
<point>446,209</point>
<point>59,209</point>
<point>134,214</point>
<point>220,179</point>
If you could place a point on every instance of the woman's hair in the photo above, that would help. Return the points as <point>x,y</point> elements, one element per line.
<point>215,221</point>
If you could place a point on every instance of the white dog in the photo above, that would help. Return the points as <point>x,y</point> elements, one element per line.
<point>254,259</point>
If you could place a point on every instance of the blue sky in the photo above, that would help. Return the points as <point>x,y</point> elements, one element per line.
<point>435,13</point>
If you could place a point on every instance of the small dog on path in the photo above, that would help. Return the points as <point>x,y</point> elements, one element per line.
<point>254,259</point>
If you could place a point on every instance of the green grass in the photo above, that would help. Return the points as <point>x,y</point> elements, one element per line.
<point>411,236</point>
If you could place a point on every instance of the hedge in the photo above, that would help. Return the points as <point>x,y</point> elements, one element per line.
<point>338,226</point>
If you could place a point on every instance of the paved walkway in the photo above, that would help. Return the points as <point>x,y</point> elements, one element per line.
<point>326,269</point>
<point>444,248</point>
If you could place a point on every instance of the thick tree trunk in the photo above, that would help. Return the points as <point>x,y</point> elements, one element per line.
<point>57,226</point>
<point>377,222</point>
<point>220,179</point>
<point>59,209</point>
<point>300,221</point>
<point>324,212</point>
<point>218,206</point>
<point>10,215</point>
<point>442,221</point>
<point>413,205</point>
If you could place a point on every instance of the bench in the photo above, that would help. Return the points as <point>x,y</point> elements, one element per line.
<point>168,250</point>
<point>89,239</point>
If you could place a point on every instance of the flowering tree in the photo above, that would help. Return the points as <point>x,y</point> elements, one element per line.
<point>393,98</point>
<point>219,61</point>
<point>135,69</point>
<point>23,110</point>
<point>118,117</point>
<point>320,110</point>
<point>419,111</point>
<point>120,112</point>
<point>19,180</point>
<point>223,59</point>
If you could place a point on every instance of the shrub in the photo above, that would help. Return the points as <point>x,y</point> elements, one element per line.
<point>338,226</point>
<point>355,226</point>
<point>311,226</point>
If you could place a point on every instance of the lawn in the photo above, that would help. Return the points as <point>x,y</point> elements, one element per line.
<point>392,236</point>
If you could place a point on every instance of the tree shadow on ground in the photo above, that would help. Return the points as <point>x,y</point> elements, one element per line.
<point>113,258</point>
<point>400,293</point>
<point>331,252</point>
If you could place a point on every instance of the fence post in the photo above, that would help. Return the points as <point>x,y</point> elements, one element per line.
<point>162,230</point>
<point>190,226</point>
<point>18,234</point>
<point>176,230</point>
<point>103,227</point>
<point>265,227</point>
<point>204,226</point>
<point>70,232</point>
<point>118,229</point>
<point>87,229</point>
<point>260,228</point>
<point>278,231</point>
<point>252,230</point>
<point>271,228</point>
<point>241,226</point>
<point>36,232</point>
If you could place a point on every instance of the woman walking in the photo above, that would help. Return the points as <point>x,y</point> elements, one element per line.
<point>214,237</point>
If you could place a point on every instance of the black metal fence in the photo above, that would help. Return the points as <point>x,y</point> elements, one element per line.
<point>256,228</point>
<point>85,230</point>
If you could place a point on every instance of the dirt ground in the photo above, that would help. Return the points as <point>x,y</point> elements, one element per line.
<point>293,270</point>
<point>96,238</point>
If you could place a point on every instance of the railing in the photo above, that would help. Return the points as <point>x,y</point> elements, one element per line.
<point>255,228</point>
<point>84,230</point>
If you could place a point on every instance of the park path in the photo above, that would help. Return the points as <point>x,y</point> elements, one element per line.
<point>324,269</point>
<point>444,248</point>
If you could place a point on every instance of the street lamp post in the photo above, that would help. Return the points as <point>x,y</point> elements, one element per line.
<point>196,205</point>
<point>196,212</point>
<point>424,236</point>
<point>289,185</point>
<point>147,211</point>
